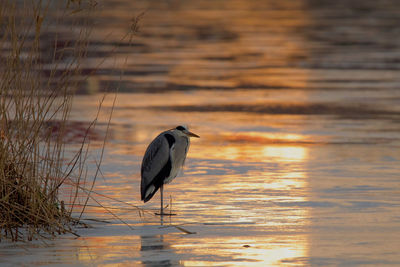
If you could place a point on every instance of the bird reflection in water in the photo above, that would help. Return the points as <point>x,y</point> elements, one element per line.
<point>156,251</point>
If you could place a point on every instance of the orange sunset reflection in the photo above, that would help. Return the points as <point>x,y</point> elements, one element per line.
<point>298,111</point>
<point>245,176</point>
<point>250,175</point>
<point>256,251</point>
<point>256,146</point>
<point>275,188</point>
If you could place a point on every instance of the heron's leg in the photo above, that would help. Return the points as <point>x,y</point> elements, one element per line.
<point>161,190</point>
<point>162,205</point>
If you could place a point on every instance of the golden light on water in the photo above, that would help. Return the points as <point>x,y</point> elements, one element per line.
<point>249,178</point>
<point>254,251</point>
<point>277,183</point>
<point>258,147</point>
<point>285,153</point>
<point>297,109</point>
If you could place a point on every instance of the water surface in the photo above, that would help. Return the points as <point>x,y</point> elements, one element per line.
<point>298,109</point>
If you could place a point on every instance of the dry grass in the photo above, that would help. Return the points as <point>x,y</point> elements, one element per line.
<point>37,81</point>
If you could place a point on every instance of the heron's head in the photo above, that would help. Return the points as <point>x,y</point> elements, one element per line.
<point>184,130</point>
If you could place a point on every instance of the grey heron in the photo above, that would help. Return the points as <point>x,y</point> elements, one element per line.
<point>163,159</point>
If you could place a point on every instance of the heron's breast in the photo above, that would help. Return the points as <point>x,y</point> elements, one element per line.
<point>178,156</point>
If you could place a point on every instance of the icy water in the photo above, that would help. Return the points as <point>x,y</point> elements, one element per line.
<point>298,107</point>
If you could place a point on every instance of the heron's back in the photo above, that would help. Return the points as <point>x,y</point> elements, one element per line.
<point>156,165</point>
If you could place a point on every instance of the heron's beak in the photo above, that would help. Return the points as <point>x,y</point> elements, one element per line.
<point>191,134</point>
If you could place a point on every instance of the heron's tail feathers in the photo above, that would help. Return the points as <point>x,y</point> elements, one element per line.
<point>149,193</point>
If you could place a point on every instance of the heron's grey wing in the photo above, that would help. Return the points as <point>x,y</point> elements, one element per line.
<point>154,165</point>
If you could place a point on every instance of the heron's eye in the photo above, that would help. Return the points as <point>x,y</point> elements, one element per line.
<point>180,128</point>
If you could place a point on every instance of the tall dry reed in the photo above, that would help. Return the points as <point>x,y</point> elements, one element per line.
<point>39,64</point>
